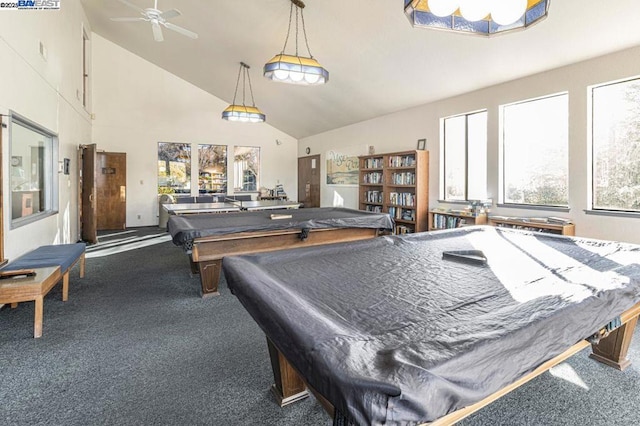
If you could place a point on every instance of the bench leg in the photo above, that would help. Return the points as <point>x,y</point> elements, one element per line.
<point>37,321</point>
<point>65,286</point>
<point>82,266</point>
<point>14,305</point>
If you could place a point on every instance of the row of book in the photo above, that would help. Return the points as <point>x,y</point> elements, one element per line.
<point>373,177</point>
<point>402,214</point>
<point>402,198</point>
<point>405,178</point>
<point>441,221</point>
<point>375,209</point>
<point>526,228</point>
<point>373,197</point>
<point>373,163</point>
<point>402,229</point>
<point>402,161</point>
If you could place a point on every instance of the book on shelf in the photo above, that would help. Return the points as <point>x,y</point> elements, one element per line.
<point>559,220</point>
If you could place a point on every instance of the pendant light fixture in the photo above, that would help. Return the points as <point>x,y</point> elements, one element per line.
<point>243,113</point>
<point>483,17</point>
<point>296,69</point>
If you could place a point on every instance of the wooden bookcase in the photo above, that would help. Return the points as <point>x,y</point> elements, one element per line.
<point>552,228</point>
<point>397,183</point>
<point>445,220</point>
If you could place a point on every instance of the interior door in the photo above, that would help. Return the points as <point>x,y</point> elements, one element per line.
<point>111,189</point>
<point>309,180</point>
<point>87,183</point>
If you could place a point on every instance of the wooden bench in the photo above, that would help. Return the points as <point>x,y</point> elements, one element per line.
<point>50,263</point>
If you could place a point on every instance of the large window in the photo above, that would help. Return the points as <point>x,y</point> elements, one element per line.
<point>616,146</point>
<point>535,152</point>
<point>33,175</point>
<point>174,168</point>
<point>212,168</point>
<point>246,168</point>
<point>465,157</point>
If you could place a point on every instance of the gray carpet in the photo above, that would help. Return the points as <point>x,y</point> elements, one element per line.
<point>136,345</point>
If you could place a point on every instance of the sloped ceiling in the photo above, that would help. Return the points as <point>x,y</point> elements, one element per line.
<point>378,63</point>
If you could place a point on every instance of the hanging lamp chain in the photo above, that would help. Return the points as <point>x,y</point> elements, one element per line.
<point>253,102</point>
<point>299,10</point>
<point>304,32</point>
<point>244,79</point>
<point>235,93</point>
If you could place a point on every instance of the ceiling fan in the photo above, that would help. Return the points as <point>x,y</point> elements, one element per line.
<point>157,19</point>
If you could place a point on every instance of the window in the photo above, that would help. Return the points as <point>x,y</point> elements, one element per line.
<point>212,168</point>
<point>174,168</point>
<point>246,168</point>
<point>535,146</point>
<point>616,146</point>
<point>33,177</point>
<point>465,157</point>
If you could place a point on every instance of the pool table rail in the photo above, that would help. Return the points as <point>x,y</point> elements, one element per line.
<point>208,252</point>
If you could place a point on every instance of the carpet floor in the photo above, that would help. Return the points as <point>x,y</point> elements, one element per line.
<point>136,345</point>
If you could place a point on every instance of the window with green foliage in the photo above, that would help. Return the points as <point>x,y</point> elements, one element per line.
<point>212,168</point>
<point>535,152</point>
<point>246,168</point>
<point>464,156</point>
<point>616,146</point>
<point>174,168</point>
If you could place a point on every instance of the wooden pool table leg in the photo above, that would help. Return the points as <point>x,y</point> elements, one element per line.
<point>288,386</point>
<point>612,350</point>
<point>210,276</point>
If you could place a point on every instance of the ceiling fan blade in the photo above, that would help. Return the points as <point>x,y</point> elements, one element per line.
<point>170,14</point>
<point>131,5</point>
<point>127,19</point>
<point>157,31</point>
<point>181,30</point>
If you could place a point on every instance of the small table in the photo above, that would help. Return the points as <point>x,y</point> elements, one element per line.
<point>28,288</point>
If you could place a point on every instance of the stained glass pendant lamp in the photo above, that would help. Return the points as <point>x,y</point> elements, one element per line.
<point>295,69</point>
<point>243,113</point>
<point>481,17</point>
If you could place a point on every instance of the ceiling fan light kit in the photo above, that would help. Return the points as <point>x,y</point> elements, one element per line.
<point>480,17</point>
<point>158,19</point>
<point>295,69</point>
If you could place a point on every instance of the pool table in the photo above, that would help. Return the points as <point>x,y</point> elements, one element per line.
<point>430,327</point>
<point>208,238</point>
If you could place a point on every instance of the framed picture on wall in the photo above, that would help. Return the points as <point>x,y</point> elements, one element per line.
<point>422,144</point>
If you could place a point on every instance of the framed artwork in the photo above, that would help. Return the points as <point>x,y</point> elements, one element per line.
<point>343,165</point>
<point>422,144</point>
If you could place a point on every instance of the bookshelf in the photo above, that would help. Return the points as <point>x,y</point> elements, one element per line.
<point>531,224</point>
<point>440,219</point>
<point>397,183</point>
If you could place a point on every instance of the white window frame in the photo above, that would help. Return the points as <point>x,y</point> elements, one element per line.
<point>49,171</point>
<point>501,173</point>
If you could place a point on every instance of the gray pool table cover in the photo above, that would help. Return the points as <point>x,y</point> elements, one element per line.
<point>390,333</point>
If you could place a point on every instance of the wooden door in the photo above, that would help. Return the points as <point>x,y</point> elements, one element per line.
<point>111,190</point>
<point>309,180</point>
<point>87,183</point>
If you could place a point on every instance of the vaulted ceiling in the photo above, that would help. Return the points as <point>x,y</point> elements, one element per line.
<point>378,63</point>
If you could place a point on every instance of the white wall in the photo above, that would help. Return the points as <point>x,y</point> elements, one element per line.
<point>46,92</point>
<point>138,104</point>
<point>400,131</point>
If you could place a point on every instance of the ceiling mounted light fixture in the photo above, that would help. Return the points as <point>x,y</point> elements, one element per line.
<point>482,17</point>
<point>243,113</point>
<point>296,69</point>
